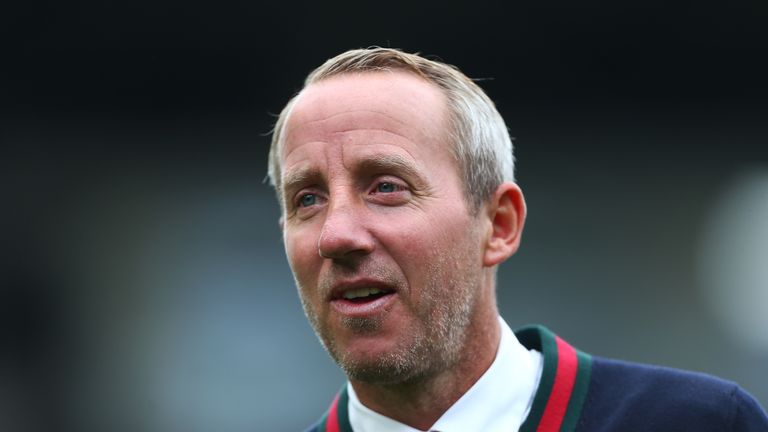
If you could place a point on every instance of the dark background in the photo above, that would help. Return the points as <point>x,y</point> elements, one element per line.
<point>144,283</point>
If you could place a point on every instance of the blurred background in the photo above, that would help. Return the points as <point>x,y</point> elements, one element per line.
<point>144,284</point>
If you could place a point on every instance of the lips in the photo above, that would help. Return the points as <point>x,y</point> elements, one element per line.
<point>361,294</point>
<point>359,288</point>
<point>361,298</point>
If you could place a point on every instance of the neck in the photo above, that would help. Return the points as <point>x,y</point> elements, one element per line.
<point>420,402</point>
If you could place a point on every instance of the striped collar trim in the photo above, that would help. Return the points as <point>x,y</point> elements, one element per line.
<point>558,400</point>
<point>336,419</point>
<point>563,385</point>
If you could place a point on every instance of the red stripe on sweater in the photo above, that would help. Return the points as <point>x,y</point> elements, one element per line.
<point>332,422</point>
<point>565,377</point>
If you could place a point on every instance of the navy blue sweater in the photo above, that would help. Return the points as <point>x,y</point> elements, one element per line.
<point>582,393</point>
<point>631,397</point>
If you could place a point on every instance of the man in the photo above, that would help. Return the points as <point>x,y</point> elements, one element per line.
<point>395,179</point>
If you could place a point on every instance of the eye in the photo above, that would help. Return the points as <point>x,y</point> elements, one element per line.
<point>389,192</point>
<point>386,187</point>
<point>307,200</point>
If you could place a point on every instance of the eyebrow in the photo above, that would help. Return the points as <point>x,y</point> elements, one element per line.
<point>299,177</point>
<point>390,163</point>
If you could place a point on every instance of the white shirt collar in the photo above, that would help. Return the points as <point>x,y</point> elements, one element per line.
<point>498,401</point>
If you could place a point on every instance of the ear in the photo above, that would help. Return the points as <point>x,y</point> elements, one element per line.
<point>506,212</point>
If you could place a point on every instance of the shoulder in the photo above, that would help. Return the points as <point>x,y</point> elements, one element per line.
<point>322,424</point>
<point>314,428</point>
<point>337,417</point>
<point>631,396</point>
<point>593,394</point>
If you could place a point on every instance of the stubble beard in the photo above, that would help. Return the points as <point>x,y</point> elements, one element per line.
<point>433,345</point>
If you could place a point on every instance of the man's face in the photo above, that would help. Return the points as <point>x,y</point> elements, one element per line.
<point>386,255</point>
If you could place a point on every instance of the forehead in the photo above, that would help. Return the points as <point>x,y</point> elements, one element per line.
<point>378,103</point>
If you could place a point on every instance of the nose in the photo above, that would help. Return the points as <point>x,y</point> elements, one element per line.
<point>345,234</point>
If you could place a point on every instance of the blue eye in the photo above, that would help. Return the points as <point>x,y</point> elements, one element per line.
<point>386,187</point>
<point>307,200</point>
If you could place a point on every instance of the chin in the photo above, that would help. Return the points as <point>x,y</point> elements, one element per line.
<point>380,365</point>
<point>382,370</point>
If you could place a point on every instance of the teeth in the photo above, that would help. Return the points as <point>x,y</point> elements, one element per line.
<point>361,292</point>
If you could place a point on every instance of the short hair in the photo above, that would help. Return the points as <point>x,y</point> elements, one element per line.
<point>479,139</point>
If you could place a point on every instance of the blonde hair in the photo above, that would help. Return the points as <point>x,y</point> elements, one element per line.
<point>480,140</point>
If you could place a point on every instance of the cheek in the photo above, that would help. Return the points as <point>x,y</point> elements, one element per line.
<point>426,241</point>
<point>302,257</point>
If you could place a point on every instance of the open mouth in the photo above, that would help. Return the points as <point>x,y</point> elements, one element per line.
<point>362,298</point>
<point>362,295</point>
